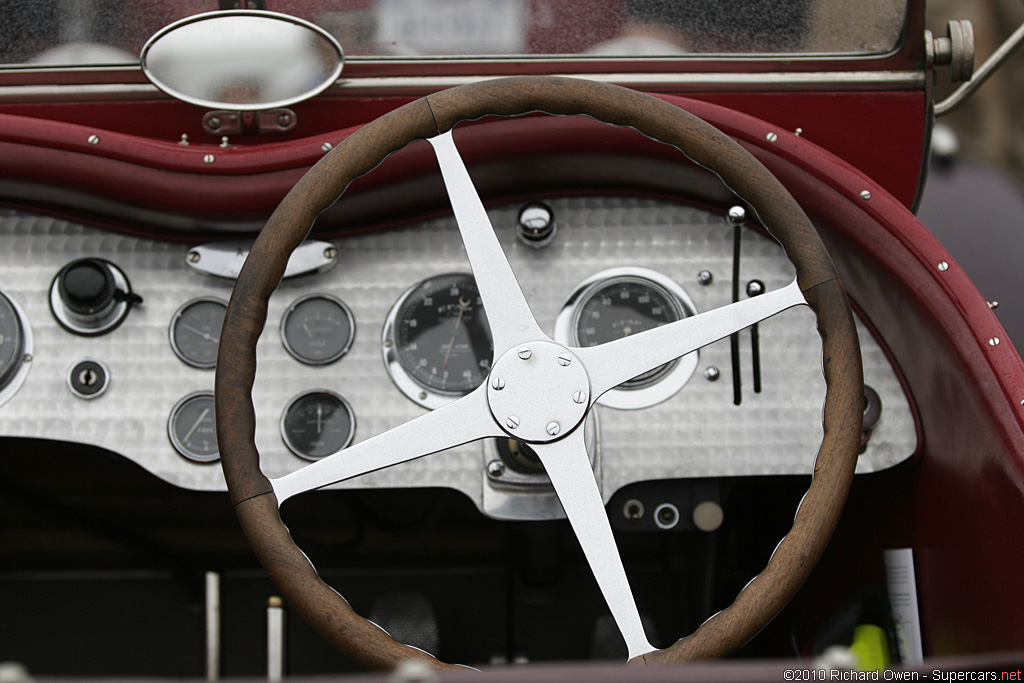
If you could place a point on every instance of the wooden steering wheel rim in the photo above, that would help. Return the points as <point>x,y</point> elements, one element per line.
<point>252,493</point>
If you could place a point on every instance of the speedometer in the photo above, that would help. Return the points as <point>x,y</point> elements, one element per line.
<point>437,343</point>
<point>619,303</point>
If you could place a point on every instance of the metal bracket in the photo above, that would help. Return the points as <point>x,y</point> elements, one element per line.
<point>956,50</point>
<point>223,122</point>
<point>984,71</point>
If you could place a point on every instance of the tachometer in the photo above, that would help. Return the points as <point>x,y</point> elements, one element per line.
<point>437,343</point>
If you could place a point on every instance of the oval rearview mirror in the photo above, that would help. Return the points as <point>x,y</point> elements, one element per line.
<point>242,60</point>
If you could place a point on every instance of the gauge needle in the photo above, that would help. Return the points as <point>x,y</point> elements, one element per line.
<point>319,414</point>
<point>202,416</point>
<point>463,304</point>
<point>202,334</point>
<point>306,328</point>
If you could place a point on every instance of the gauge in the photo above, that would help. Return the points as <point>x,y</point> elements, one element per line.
<point>317,329</point>
<point>195,331</point>
<point>193,429</point>
<point>437,343</point>
<point>621,302</point>
<point>317,423</point>
<point>623,306</point>
<point>11,341</point>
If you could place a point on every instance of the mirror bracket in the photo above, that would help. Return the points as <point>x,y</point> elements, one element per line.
<point>273,121</point>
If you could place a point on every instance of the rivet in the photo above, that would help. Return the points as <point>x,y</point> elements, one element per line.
<point>224,141</point>
<point>737,215</point>
<point>755,288</point>
<point>943,267</point>
<point>213,123</point>
<point>194,256</point>
<point>705,277</point>
<point>512,421</point>
<point>209,158</point>
<point>330,252</point>
<point>497,383</point>
<point>27,358</point>
<point>993,304</point>
<point>554,428</point>
<point>423,395</point>
<point>994,341</point>
<point>564,360</point>
<point>799,131</point>
<point>865,195</point>
<point>525,353</point>
<point>184,139</point>
<point>94,139</point>
<point>495,468</point>
<point>712,373</point>
<point>580,396</point>
<point>326,147</point>
<point>771,137</point>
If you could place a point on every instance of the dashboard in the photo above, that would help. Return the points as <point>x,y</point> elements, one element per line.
<point>387,325</point>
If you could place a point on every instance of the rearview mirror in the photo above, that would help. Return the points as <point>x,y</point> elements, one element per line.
<point>243,60</point>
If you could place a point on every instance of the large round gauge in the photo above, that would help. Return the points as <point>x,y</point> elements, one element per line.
<point>317,329</point>
<point>437,343</point>
<point>317,423</point>
<point>193,429</point>
<point>11,341</point>
<point>621,302</point>
<point>15,347</point>
<point>195,331</point>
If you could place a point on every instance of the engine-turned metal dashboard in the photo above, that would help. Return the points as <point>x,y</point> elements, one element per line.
<point>329,371</point>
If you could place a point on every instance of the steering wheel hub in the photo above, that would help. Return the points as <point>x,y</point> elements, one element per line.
<point>538,392</point>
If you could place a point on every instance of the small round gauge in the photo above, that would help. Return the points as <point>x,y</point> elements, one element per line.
<point>619,303</point>
<point>195,331</point>
<point>317,329</point>
<point>317,423</point>
<point>11,341</point>
<point>193,429</point>
<point>437,342</point>
<point>622,306</point>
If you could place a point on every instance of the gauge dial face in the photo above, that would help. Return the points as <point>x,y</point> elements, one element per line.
<point>621,307</point>
<point>195,331</point>
<point>317,423</point>
<point>193,429</point>
<point>11,341</point>
<point>317,329</point>
<point>441,336</point>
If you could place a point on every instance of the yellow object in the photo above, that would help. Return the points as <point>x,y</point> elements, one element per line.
<point>871,646</point>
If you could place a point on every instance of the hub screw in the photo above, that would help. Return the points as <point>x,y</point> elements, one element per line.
<point>525,353</point>
<point>512,421</point>
<point>495,468</point>
<point>554,428</point>
<point>497,384</point>
<point>564,360</point>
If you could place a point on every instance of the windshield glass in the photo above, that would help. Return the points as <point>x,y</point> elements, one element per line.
<point>108,32</point>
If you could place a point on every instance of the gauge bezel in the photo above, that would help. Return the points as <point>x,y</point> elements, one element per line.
<point>414,389</point>
<point>326,297</point>
<point>183,450</point>
<point>664,385</point>
<point>295,399</point>
<point>177,317</point>
<point>20,369</point>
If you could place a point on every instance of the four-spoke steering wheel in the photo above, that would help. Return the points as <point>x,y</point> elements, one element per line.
<point>538,391</point>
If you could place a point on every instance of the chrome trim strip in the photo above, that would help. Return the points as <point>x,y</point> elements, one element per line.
<point>676,82</point>
<point>815,80</point>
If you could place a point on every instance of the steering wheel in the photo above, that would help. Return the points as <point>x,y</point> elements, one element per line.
<point>538,391</point>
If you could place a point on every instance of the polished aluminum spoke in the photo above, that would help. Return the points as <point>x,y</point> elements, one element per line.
<point>568,466</point>
<point>621,360</point>
<point>454,424</point>
<point>509,315</point>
